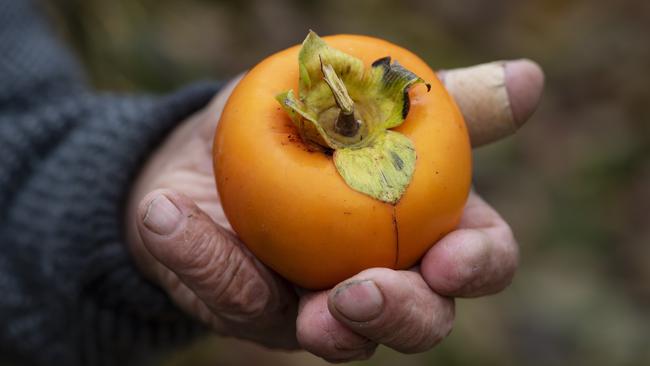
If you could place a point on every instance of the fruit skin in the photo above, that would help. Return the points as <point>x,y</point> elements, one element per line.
<point>293,210</point>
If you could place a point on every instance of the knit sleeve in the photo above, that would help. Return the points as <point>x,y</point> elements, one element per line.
<point>69,292</point>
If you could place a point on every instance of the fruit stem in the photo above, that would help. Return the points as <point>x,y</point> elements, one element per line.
<point>346,124</point>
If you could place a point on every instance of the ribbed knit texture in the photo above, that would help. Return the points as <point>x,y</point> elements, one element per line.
<point>69,293</point>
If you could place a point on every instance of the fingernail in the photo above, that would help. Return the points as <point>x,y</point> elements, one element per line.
<point>162,216</point>
<point>359,301</point>
<point>524,84</point>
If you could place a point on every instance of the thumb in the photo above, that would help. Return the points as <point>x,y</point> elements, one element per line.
<point>203,255</point>
<point>495,98</point>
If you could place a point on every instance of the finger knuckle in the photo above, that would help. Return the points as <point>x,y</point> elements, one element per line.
<point>430,333</point>
<point>464,270</point>
<point>195,243</point>
<point>211,261</point>
<point>420,321</point>
<point>205,255</point>
<point>241,292</point>
<point>490,268</point>
<point>419,337</point>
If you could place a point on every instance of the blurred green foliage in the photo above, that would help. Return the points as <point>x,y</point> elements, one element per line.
<point>574,183</point>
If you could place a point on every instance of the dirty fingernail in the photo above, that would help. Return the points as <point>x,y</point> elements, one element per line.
<point>359,301</point>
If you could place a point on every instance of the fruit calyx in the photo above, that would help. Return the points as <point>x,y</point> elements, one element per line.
<point>344,107</point>
<point>346,123</point>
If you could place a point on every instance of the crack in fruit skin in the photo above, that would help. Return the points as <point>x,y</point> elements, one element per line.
<point>292,209</point>
<point>396,228</point>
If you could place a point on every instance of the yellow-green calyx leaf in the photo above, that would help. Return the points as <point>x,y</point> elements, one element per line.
<point>382,170</point>
<point>346,107</point>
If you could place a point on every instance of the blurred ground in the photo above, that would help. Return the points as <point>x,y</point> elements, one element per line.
<point>574,183</point>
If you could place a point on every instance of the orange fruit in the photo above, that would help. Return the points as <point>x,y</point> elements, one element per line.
<point>290,205</point>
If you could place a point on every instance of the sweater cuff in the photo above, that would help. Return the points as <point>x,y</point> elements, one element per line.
<point>116,298</point>
<point>85,303</point>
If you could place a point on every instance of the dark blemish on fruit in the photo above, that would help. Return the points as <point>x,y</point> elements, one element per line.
<point>397,161</point>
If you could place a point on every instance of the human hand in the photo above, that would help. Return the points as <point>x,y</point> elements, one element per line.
<point>184,243</point>
<point>181,240</point>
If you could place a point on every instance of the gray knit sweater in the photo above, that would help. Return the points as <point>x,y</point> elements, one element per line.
<point>69,294</point>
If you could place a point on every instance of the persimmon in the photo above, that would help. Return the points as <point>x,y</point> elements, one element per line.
<point>341,154</point>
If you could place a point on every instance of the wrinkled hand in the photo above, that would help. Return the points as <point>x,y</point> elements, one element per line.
<point>181,240</point>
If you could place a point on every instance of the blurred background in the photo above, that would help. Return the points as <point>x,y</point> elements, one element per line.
<point>574,183</point>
